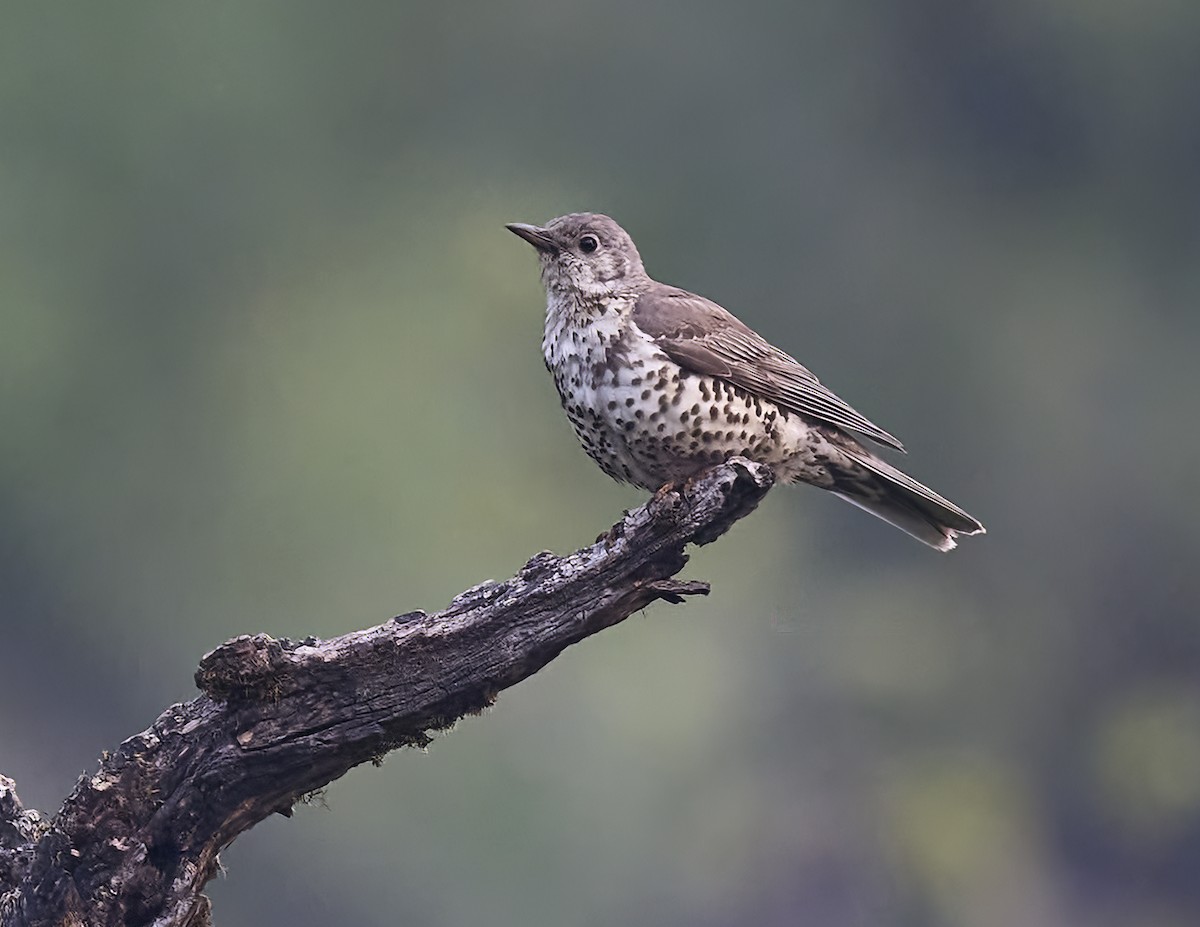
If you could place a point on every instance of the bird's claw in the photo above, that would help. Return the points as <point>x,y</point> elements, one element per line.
<point>664,490</point>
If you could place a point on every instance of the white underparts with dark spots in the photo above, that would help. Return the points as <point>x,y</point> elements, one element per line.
<point>647,421</point>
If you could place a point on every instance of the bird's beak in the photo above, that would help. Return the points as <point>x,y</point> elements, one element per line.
<point>538,237</point>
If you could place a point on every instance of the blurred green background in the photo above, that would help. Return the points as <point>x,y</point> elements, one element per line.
<point>270,362</point>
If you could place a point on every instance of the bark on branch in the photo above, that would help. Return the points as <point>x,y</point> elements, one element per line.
<point>136,841</point>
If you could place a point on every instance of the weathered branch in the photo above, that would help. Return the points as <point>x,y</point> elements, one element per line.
<point>136,842</point>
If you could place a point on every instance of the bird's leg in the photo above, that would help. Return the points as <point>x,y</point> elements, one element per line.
<point>611,536</point>
<point>664,490</point>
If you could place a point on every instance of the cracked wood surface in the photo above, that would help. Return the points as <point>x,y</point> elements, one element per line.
<point>137,840</point>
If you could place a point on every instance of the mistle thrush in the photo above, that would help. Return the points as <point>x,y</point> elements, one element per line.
<point>660,383</point>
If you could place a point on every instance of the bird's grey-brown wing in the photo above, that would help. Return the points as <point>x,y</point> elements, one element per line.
<point>702,337</point>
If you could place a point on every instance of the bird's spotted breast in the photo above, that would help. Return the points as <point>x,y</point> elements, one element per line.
<point>647,421</point>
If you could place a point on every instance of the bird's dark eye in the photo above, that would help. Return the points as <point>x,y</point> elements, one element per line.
<point>589,243</point>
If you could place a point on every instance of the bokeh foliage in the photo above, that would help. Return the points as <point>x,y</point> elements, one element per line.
<point>269,361</point>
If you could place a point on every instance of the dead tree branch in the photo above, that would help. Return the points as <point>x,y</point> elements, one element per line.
<point>136,841</point>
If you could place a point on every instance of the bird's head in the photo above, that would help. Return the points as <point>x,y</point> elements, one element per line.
<point>584,253</point>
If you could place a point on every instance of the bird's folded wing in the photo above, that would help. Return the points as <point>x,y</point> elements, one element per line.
<point>702,337</point>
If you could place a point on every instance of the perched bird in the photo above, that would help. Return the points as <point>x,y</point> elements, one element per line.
<point>660,383</point>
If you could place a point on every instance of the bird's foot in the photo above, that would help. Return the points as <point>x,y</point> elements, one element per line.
<point>613,534</point>
<point>664,490</point>
<point>671,495</point>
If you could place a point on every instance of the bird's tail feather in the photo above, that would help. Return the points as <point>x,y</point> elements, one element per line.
<point>898,499</point>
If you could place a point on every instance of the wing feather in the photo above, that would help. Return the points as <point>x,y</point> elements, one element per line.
<point>702,337</point>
